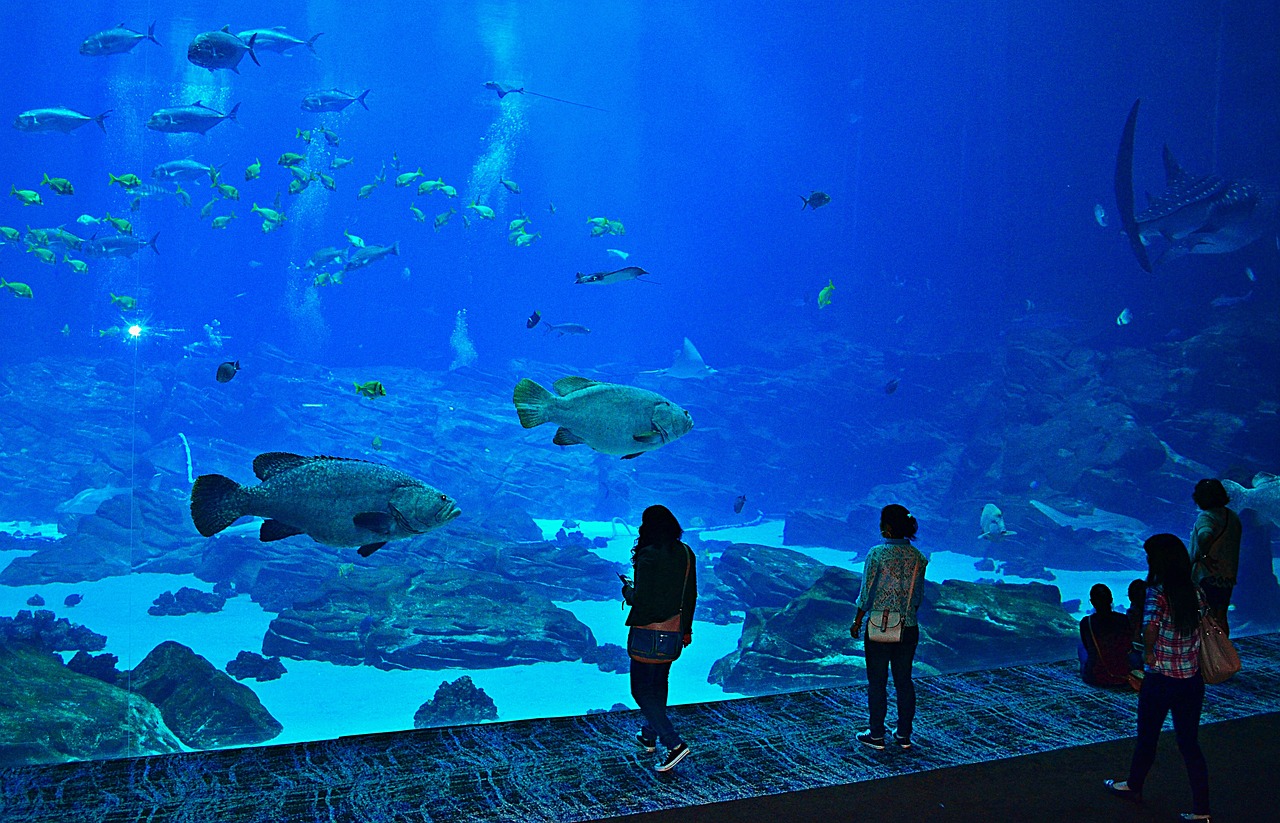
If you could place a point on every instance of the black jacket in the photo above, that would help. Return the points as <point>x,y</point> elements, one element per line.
<point>659,579</point>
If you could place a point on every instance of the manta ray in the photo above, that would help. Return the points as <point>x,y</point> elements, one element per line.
<point>1194,215</point>
<point>503,90</point>
<point>688,364</point>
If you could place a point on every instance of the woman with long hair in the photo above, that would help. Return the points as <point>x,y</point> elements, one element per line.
<point>892,584</point>
<point>1171,637</point>
<point>662,597</point>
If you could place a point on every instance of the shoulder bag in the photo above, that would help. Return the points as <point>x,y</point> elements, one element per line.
<point>1218,658</point>
<point>886,627</point>
<point>661,642</point>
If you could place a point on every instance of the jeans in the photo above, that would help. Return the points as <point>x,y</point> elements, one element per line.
<point>880,657</point>
<point>1161,695</point>
<point>649,688</point>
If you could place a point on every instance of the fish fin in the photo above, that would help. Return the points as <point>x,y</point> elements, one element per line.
<point>311,44</point>
<point>569,385</point>
<point>269,464</point>
<point>647,437</point>
<point>532,403</point>
<point>564,437</point>
<point>631,456</point>
<point>376,522</point>
<point>361,98</point>
<point>252,40</point>
<point>275,530</point>
<point>366,550</point>
<point>216,502</point>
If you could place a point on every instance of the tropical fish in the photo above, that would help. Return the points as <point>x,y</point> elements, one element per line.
<point>503,90</point>
<point>335,501</point>
<point>1124,318</point>
<point>116,41</point>
<point>1100,215</point>
<point>418,214</point>
<point>485,212</point>
<point>1193,215</point>
<point>125,181</point>
<point>196,118</point>
<point>43,255</point>
<point>57,119</point>
<point>124,301</point>
<point>27,196</point>
<point>354,239</point>
<point>408,178</point>
<point>73,600</point>
<point>533,320</point>
<point>186,169</point>
<point>226,371</point>
<point>277,39</point>
<point>298,185</point>
<point>338,162</point>
<point>815,200</point>
<point>618,253</point>
<point>77,266</point>
<point>376,442</point>
<point>59,185</point>
<point>120,224</point>
<point>443,217</point>
<point>333,100</point>
<point>371,389</point>
<point>891,386</point>
<point>367,255</point>
<point>992,521</point>
<point>221,49</point>
<point>331,138</point>
<point>118,246</point>
<point>561,329</point>
<point>328,182</point>
<point>16,289</point>
<point>610,418</point>
<point>88,220</point>
<point>228,191</point>
<point>824,296</point>
<point>510,185</point>
<point>616,276</point>
<point>365,191</point>
<point>551,208</point>
<point>254,170</point>
<point>223,221</point>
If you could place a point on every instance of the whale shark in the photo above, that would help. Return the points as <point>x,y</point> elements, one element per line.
<point>1205,214</point>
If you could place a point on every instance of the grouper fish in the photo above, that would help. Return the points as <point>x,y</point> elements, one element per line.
<point>336,501</point>
<point>609,418</point>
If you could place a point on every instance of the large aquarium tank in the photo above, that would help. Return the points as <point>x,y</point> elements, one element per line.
<point>342,347</point>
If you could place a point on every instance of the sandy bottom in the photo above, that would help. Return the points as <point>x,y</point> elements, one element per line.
<point>316,700</point>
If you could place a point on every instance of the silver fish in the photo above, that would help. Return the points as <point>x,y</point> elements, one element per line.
<point>333,100</point>
<point>186,169</point>
<point>57,118</point>
<point>120,245</point>
<point>215,50</point>
<point>116,41</point>
<point>277,39</point>
<point>196,118</point>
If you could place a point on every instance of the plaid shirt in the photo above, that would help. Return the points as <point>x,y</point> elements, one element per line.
<point>1177,655</point>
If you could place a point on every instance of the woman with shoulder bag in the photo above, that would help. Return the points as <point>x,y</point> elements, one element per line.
<point>662,599</point>
<point>1173,683</point>
<point>892,588</point>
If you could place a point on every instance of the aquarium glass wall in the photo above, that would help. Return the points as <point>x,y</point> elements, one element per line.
<point>342,347</point>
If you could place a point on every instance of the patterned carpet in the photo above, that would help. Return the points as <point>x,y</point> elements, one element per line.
<point>586,768</point>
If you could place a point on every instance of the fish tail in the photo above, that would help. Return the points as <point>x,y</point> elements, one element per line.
<point>151,33</point>
<point>533,403</point>
<point>216,502</point>
<point>152,242</point>
<point>804,201</point>
<point>1124,189</point>
<point>361,98</point>
<point>101,118</point>
<point>252,40</point>
<point>311,44</point>
<point>231,115</point>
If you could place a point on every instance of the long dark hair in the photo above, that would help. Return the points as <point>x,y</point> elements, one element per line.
<point>658,527</point>
<point>1169,566</point>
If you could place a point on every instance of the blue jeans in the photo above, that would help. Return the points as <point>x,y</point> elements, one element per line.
<point>649,688</point>
<point>880,657</point>
<point>1161,695</point>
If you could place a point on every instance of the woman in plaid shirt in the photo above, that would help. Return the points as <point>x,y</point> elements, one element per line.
<point>1171,634</point>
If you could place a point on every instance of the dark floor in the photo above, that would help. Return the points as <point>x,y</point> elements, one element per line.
<point>1024,743</point>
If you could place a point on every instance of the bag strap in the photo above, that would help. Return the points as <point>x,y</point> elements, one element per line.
<point>688,564</point>
<point>1201,554</point>
<point>1098,648</point>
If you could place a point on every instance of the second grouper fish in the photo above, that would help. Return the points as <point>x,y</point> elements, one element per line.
<point>334,500</point>
<point>609,418</point>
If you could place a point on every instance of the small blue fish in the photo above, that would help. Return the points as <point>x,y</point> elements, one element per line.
<point>1125,318</point>
<point>73,599</point>
<point>1100,214</point>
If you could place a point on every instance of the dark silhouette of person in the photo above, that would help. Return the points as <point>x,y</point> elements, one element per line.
<point>1171,635</point>
<point>662,598</point>
<point>892,581</point>
<point>1106,639</point>
<point>1215,547</point>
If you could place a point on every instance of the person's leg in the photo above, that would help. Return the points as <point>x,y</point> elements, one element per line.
<point>649,689</point>
<point>1186,706</point>
<point>901,658</point>
<point>877,655</point>
<point>1153,706</point>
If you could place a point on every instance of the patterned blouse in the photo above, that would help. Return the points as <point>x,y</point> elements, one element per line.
<point>887,579</point>
<point>1177,655</point>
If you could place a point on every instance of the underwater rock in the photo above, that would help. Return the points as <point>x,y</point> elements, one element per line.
<point>817,529</point>
<point>454,704</point>
<point>186,601</point>
<point>45,631</point>
<point>616,707</point>
<point>60,715</point>
<point>763,576</point>
<point>804,645</point>
<point>975,626</point>
<point>99,666</point>
<point>986,564</point>
<point>201,705</point>
<point>395,617</point>
<point>609,658</point>
<point>1028,569</point>
<point>247,664</point>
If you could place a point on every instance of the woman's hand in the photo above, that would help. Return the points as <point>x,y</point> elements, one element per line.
<point>688,638</point>
<point>855,631</point>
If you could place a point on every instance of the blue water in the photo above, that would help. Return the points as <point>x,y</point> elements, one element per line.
<point>963,145</point>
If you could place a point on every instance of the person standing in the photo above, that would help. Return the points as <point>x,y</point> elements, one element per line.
<point>662,598</point>
<point>1215,548</point>
<point>1173,683</point>
<point>892,589</point>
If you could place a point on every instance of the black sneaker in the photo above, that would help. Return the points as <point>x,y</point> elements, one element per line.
<point>646,744</point>
<point>673,757</point>
<point>903,743</point>
<point>866,739</point>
